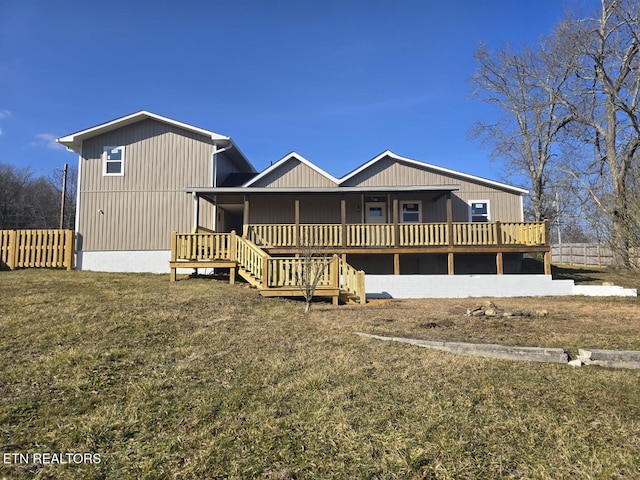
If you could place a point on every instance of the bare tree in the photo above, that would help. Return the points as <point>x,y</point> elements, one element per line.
<point>603,52</point>
<point>314,263</point>
<point>530,117</point>
<point>14,183</point>
<point>32,202</point>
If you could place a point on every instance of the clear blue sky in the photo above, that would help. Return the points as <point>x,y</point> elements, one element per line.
<point>336,81</point>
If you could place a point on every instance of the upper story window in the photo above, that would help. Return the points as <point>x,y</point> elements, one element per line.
<point>113,161</point>
<point>411,212</point>
<point>479,211</point>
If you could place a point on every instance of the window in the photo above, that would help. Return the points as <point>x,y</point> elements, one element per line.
<point>411,212</point>
<point>479,210</point>
<point>113,161</point>
<point>375,211</point>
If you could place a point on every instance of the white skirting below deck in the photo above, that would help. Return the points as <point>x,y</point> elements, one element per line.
<point>462,286</point>
<point>132,261</point>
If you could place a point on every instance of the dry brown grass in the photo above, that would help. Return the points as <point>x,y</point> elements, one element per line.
<point>199,379</point>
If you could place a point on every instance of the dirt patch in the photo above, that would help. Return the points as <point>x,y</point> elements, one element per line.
<point>569,322</point>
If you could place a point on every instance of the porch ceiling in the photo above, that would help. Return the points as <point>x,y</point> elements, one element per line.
<point>209,193</point>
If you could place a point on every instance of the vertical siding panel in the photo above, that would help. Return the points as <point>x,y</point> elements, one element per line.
<point>505,205</point>
<point>147,203</point>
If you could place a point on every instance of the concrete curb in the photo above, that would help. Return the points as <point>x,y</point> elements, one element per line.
<point>609,358</point>
<point>604,358</point>
<point>525,354</point>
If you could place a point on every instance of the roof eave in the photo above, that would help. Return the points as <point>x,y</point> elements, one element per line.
<point>327,190</point>
<point>74,141</point>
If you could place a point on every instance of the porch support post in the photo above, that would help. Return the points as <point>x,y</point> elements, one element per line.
<point>343,220</point>
<point>396,227</point>
<point>449,220</point>
<point>547,262</point>
<point>499,259</point>
<point>296,209</point>
<point>450,264</point>
<point>396,264</point>
<point>245,217</point>
<point>196,211</point>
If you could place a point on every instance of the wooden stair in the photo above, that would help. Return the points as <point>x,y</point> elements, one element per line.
<point>249,277</point>
<point>339,280</point>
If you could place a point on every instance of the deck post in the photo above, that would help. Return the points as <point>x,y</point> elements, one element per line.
<point>265,272</point>
<point>499,257</point>
<point>547,262</point>
<point>334,272</point>
<point>450,264</point>
<point>232,257</point>
<point>360,287</point>
<point>174,255</point>
<point>232,246</point>
<point>396,264</point>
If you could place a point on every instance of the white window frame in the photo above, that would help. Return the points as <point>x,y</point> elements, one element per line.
<point>471,202</point>
<point>105,161</point>
<point>407,202</point>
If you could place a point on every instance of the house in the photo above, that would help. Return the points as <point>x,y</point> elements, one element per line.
<point>143,176</point>
<point>132,172</point>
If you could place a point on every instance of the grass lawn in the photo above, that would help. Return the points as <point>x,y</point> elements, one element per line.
<point>198,379</point>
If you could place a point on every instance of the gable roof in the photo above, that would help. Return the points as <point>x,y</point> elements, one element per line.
<point>287,158</point>
<point>73,141</point>
<point>442,170</point>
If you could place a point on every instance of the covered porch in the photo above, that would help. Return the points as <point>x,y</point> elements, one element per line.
<point>354,222</point>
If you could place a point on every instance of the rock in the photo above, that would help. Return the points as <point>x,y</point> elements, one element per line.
<point>541,313</point>
<point>576,363</point>
<point>490,312</point>
<point>477,313</point>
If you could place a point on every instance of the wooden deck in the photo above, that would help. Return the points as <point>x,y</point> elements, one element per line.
<point>254,254</point>
<point>273,276</point>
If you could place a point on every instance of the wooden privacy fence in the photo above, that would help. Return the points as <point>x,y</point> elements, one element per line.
<point>36,249</point>
<point>588,254</point>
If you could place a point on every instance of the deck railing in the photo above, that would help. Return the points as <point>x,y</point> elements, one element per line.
<point>350,279</point>
<point>287,272</point>
<point>370,235</point>
<point>252,258</point>
<point>408,234</point>
<point>201,246</point>
<point>423,234</point>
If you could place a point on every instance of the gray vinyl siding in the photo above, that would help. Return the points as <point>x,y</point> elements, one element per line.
<point>225,167</point>
<point>505,205</point>
<point>294,173</point>
<point>271,209</point>
<point>143,206</point>
<point>319,209</point>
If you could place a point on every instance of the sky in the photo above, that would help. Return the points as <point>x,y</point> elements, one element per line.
<point>338,81</point>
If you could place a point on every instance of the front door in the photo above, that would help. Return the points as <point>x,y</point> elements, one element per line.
<point>375,212</point>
